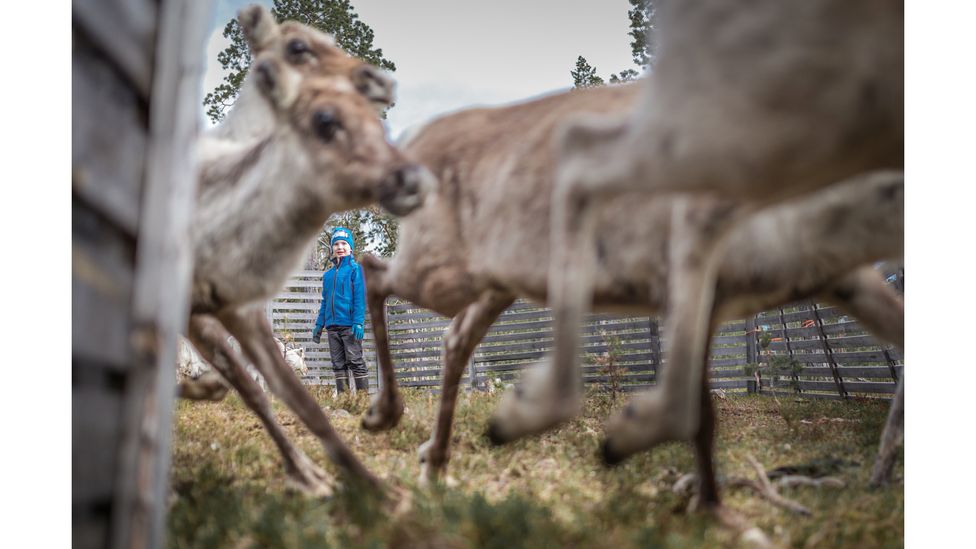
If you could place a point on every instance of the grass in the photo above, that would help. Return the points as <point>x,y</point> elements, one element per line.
<point>549,491</point>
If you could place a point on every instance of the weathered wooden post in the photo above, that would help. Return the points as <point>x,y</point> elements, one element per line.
<point>135,98</point>
<point>654,331</point>
<point>752,356</point>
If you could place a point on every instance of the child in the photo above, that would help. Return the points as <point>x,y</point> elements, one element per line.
<point>342,313</point>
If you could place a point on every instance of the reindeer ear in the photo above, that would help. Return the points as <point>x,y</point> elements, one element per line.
<point>259,27</point>
<point>375,85</point>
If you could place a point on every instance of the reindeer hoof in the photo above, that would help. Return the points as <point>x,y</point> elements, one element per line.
<point>381,416</point>
<point>494,434</point>
<point>610,457</point>
<point>311,480</point>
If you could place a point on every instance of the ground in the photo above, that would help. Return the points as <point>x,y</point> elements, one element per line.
<point>551,491</point>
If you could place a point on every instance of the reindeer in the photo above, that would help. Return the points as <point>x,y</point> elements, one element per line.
<point>473,247</point>
<point>263,197</point>
<point>196,380</point>
<point>750,103</point>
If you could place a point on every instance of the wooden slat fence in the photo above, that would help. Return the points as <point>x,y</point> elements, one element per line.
<point>822,353</point>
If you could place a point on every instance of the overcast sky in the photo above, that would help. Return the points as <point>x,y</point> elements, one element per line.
<point>457,54</point>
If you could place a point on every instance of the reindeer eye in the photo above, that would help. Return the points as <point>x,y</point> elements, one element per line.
<point>297,47</point>
<point>326,125</point>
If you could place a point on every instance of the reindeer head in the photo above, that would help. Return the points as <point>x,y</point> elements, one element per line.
<point>313,53</point>
<point>334,125</point>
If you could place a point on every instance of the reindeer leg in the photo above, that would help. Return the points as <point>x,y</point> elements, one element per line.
<point>210,340</point>
<point>672,410</point>
<point>708,497</point>
<point>550,393</point>
<point>386,409</point>
<point>460,340</point>
<point>251,328</point>
<point>866,296</point>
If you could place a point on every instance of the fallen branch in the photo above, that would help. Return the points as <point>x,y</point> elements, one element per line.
<point>791,481</point>
<point>766,489</point>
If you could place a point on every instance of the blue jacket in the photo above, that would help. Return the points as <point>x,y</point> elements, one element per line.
<point>343,295</point>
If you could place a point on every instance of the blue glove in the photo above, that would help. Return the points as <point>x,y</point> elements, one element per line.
<point>317,335</point>
<point>357,331</point>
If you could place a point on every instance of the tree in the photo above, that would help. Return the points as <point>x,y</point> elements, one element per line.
<point>643,25</point>
<point>585,76</point>
<point>372,229</point>
<point>336,17</point>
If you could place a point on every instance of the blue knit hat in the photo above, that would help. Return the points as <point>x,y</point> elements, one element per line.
<point>342,233</point>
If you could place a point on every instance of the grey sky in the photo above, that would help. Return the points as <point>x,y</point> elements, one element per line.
<point>456,54</point>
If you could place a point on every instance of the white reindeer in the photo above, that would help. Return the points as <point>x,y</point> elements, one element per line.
<point>750,103</point>
<point>197,380</point>
<point>264,193</point>
<point>479,242</point>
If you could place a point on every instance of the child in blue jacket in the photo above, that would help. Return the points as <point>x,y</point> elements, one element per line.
<point>342,313</point>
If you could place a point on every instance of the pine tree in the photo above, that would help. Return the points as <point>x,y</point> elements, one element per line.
<point>336,17</point>
<point>642,27</point>
<point>585,76</point>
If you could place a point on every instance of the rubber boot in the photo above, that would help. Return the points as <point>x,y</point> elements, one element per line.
<point>342,384</point>
<point>362,384</point>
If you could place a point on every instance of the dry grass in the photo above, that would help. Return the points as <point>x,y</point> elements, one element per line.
<point>550,491</point>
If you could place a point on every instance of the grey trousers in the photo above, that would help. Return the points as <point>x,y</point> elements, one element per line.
<point>346,352</point>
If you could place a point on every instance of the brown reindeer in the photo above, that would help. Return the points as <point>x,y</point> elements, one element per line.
<point>750,103</point>
<point>263,197</point>
<point>479,242</point>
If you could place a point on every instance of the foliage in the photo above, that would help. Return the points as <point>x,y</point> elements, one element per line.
<point>585,76</point>
<point>643,25</point>
<point>228,486</point>
<point>609,365</point>
<point>643,28</point>
<point>373,230</point>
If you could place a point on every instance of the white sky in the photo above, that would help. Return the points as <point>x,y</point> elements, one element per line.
<point>456,54</point>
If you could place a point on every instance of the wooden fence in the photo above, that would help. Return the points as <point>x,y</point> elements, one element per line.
<point>804,349</point>
<point>136,73</point>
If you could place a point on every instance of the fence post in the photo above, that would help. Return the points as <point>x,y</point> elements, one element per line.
<point>654,330</point>
<point>751,355</point>
<point>789,349</point>
<point>838,380</point>
<point>471,372</point>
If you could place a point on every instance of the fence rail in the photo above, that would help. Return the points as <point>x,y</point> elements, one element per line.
<point>805,349</point>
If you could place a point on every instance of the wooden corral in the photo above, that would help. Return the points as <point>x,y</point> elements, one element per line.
<point>136,69</point>
<point>822,353</point>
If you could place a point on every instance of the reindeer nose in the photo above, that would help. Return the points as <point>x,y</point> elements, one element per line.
<point>407,179</point>
<point>406,188</point>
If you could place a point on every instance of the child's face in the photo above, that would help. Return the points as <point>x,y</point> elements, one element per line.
<point>341,248</point>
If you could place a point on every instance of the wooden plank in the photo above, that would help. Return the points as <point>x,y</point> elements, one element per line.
<point>161,291</point>
<point>106,171</point>
<point>125,31</point>
<point>841,358</point>
<point>850,371</point>
<point>101,289</point>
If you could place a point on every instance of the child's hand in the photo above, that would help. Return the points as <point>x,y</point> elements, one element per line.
<point>357,331</point>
